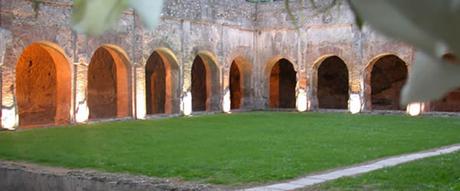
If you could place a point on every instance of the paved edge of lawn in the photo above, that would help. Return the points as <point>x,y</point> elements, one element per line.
<point>354,170</point>
<point>29,176</point>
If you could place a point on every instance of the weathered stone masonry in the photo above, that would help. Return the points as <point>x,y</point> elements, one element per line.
<point>52,75</point>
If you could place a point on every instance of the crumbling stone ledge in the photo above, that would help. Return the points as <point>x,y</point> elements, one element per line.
<point>22,176</point>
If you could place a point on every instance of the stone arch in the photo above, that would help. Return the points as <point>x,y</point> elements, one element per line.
<point>205,85</point>
<point>162,82</point>
<point>43,86</point>
<point>235,86</point>
<point>282,79</point>
<point>239,82</point>
<point>451,101</point>
<point>331,82</point>
<point>385,76</point>
<point>109,83</point>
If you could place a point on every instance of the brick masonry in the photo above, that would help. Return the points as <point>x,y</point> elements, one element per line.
<point>255,36</point>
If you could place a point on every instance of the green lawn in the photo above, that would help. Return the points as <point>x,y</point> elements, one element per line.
<point>438,173</point>
<point>232,149</point>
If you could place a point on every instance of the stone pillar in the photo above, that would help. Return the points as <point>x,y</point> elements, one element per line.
<point>301,91</point>
<point>82,60</point>
<point>10,115</point>
<point>81,108</point>
<point>186,97</point>
<point>187,61</point>
<point>226,100</point>
<point>356,101</point>
<point>140,91</point>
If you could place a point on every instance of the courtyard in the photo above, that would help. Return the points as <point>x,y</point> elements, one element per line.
<point>232,150</point>
<point>256,95</point>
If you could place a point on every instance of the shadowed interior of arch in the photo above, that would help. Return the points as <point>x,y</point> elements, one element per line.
<point>235,86</point>
<point>43,88</point>
<point>108,84</point>
<point>282,85</point>
<point>199,85</point>
<point>388,76</point>
<point>332,84</point>
<point>155,74</point>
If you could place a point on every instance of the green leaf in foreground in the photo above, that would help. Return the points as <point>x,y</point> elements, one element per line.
<point>95,16</point>
<point>148,10</point>
<point>432,28</point>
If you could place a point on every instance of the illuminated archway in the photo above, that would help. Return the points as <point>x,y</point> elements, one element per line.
<point>387,77</point>
<point>282,85</point>
<point>162,82</point>
<point>332,84</point>
<point>205,84</point>
<point>109,84</point>
<point>43,86</point>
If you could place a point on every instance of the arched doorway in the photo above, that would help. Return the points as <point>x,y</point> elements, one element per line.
<point>162,78</point>
<point>282,85</point>
<point>388,75</point>
<point>199,85</point>
<point>235,86</point>
<point>451,101</point>
<point>43,86</point>
<point>109,84</point>
<point>205,83</point>
<point>332,86</point>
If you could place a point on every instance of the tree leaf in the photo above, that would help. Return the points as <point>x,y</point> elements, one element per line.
<point>387,19</point>
<point>439,19</point>
<point>429,79</point>
<point>148,10</point>
<point>432,27</point>
<point>93,17</point>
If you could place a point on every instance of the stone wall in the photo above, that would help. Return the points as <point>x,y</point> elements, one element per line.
<point>219,31</point>
<point>320,31</point>
<point>255,36</point>
<point>22,176</point>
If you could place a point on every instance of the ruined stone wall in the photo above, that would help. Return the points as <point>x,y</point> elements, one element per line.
<point>255,36</point>
<point>218,30</point>
<point>318,33</point>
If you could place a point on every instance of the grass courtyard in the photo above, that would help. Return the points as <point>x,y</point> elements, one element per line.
<point>236,149</point>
